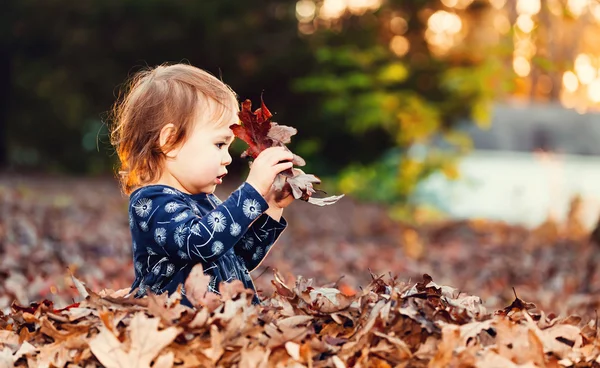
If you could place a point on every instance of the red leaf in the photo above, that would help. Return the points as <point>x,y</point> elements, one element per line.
<point>260,133</point>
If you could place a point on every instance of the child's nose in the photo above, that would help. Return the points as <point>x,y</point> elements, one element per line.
<point>227,159</point>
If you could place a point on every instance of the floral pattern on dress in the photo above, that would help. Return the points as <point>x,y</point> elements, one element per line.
<point>143,206</point>
<point>251,208</point>
<point>235,229</point>
<point>160,236</point>
<point>216,221</point>
<point>188,229</point>
<point>180,234</point>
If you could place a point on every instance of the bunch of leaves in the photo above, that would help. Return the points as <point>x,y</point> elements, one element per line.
<point>387,324</point>
<point>260,133</point>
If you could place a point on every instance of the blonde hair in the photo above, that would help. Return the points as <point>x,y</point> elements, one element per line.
<point>167,94</point>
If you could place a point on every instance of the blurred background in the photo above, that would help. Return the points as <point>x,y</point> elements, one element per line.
<point>463,132</point>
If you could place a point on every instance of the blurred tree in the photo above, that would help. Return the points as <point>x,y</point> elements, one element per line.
<point>382,72</point>
<point>66,72</point>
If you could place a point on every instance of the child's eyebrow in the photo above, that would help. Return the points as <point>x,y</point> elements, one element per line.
<point>227,137</point>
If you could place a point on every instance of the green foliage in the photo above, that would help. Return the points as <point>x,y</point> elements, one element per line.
<point>362,87</point>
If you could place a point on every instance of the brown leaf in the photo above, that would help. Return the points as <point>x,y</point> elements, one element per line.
<point>196,289</point>
<point>146,343</point>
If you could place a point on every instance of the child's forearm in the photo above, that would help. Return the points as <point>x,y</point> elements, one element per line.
<point>274,211</point>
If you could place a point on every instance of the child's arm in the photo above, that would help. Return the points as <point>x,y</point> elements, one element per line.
<point>264,232</point>
<point>259,239</point>
<point>179,233</point>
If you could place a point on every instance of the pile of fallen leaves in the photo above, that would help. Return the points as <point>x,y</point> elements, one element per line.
<point>388,324</point>
<point>49,226</point>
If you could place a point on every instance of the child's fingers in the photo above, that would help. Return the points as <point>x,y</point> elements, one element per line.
<point>283,166</point>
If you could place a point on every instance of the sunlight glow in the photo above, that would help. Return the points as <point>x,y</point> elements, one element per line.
<point>305,10</point>
<point>594,91</point>
<point>332,9</point>
<point>521,66</point>
<point>528,7</point>
<point>400,45</point>
<point>577,7</point>
<point>584,69</point>
<point>525,23</point>
<point>570,81</point>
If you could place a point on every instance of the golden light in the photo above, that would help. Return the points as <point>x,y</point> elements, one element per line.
<point>525,23</point>
<point>525,47</point>
<point>521,66</point>
<point>501,23</point>
<point>361,6</point>
<point>463,4</point>
<point>305,10</point>
<point>577,7</point>
<point>555,7</point>
<point>450,3</point>
<point>584,69</point>
<point>441,21</point>
<point>398,25</point>
<point>595,10</point>
<point>528,7</point>
<point>498,4</point>
<point>570,81</point>
<point>399,45</point>
<point>594,91</point>
<point>332,9</point>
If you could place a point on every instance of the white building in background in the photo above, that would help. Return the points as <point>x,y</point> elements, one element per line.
<point>507,177</point>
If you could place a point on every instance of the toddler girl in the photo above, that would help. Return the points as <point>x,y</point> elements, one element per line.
<point>172,137</point>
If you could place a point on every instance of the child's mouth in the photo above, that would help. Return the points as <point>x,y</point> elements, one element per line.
<point>219,179</point>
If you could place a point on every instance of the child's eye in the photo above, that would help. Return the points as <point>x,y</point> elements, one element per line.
<point>220,145</point>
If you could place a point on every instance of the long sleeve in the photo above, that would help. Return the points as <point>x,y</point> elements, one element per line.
<point>259,239</point>
<point>181,234</point>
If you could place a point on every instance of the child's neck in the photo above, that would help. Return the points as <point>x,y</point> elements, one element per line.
<point>167,179</point>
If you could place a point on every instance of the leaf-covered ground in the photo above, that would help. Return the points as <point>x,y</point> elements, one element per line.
<point>350,291</point>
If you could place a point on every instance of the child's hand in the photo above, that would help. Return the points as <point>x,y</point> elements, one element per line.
<point>280,199</point>
<point>266,166</point>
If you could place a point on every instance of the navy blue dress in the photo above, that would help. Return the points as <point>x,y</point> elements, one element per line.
<point>172,231</point>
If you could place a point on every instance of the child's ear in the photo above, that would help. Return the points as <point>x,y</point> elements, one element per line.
<point>167,133</point>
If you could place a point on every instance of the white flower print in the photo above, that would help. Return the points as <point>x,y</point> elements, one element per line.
<point>138,266</point>
<point>258,253</point>
<point>212,285</point>
<point>182,255</point>
<point>131,221</point>
<point>235,229</point>
<point>150,251</point>
<point>143,226</point>
<point>155,288</point>
<point>217,247</point>
<point>143,206</point>
<point>160,236</point>
<point>248,242</point>
<point>216,220</point>
<point>134,247</point>
<point>195,209</point>
<point>169,191</point>
<point>180,233</point>
<point>156,269</point>
<point>172,207</point>
<point>170,269</point>
<point>182,216</point>
<point>195,229</point>
<point>247,276</point>
<point>251,208</point>
<point>142,288</point>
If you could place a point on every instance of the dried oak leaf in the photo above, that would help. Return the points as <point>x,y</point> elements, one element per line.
<point>260,133</point>
<point>196,288</point>
<point>146,343</point>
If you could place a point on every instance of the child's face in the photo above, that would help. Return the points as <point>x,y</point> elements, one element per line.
<point>200,162</point>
